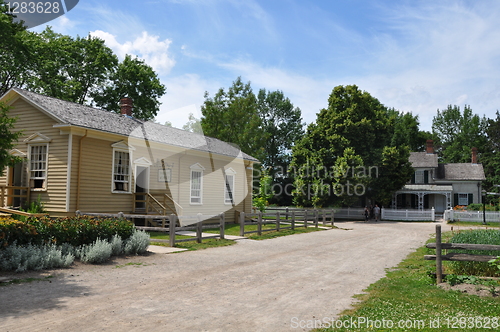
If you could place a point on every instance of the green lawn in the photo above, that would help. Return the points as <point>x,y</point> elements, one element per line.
<point>408,295</point>
<point>477,224</point>
<point>234,229</point>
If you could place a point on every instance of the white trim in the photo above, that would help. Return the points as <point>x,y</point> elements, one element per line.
<point>68,176</point>
<point>233,176</point>
<point>18,153</point>
<point>198,169</point>
<point>37,138</point>
<point>147,167</point>
<point>143,161</point>
<point>122,146</point>
<point>46,171</point>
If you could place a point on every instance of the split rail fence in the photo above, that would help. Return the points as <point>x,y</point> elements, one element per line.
<point>439,257</point>
<point>195,220</point>
<point>292,218</point>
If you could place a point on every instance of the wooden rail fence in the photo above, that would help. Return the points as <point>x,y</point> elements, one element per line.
<point>290,221</point>
<point>172,224</point>
<point>439,257</point>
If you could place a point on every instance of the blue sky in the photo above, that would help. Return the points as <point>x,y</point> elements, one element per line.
<point>415,56</point>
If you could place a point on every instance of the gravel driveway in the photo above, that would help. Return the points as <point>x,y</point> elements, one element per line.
<point>271,285</point>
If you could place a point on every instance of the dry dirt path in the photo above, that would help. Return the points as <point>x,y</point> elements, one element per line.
<point>271,285</point>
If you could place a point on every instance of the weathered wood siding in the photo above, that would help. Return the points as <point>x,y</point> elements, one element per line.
<point>30,120</point>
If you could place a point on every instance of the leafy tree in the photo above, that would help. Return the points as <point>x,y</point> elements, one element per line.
<point>232,116</point>
<point>348,149</point>
<point>406,131</point>
<point>491,157</point>
<point>7,137</point>
<point>15,64</point>
<point>81,70</point>
<point>193,125</point>
<point>134,79</point>
<point>457,133</point>
<point>71,69</point>
<point>282,122</point>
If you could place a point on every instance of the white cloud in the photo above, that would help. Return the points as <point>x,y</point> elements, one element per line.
<point>148,47</point>
<point>184,95</point>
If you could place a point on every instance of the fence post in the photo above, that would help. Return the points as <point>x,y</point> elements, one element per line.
<point>293,220</point>
<point>242,223</point>
<point>2,197</point>
<point>286,214</point>
<point>222,225</point>
<point>433,214</point>
<point>278,221</point>
<point>198,228</point>
<point>316,217</point>
<point>406,218</point>
<point>333,216</point>
<point>439,265</point>
<point>78,213</point>
<point>305,218</point>
<point>172,230</point>
<point>259,223</point>
<point>324,218</point>
<point>121,215</point>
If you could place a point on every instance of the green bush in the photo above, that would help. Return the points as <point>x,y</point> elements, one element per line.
<point>478,236</point>
<point>16,231</point>
<point>479,207</point>
<point>136,244</point>
<point>98,252</point>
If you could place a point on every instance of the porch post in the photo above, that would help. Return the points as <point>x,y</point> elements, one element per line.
<point>448,201</point>
<point>394,200</point>
<point>421,200</point>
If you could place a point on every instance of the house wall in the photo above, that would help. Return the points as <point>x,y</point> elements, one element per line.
<point>30,120</point>
<point>467,187</point>
<point>96,177</point>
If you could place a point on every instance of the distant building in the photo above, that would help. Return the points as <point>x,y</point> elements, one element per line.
<point>440,185</point>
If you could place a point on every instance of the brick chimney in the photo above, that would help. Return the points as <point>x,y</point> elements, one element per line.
<point>474,155</point>
<point>430,146</point>
<point>126,106</point>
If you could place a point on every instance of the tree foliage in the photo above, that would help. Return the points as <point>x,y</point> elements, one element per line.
<point>352,145</point>
<point>193,125</point>
<point>81,70</point>
<point>232,116</point>
<point>491,156</point>
<point>7,137</point>
<point>457,133</point>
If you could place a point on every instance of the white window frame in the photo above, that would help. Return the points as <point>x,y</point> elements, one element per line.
<point>229,198</point>
<point>44,169</point>
<point>462,197</point>
<point>419,177</point>
<point>197,198</point>
<point>122,147</point>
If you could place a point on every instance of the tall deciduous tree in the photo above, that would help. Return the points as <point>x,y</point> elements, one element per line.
<point>193,125</point>
<point>232,116</point>
<point>132,78</point>
<point>457,133</point>
<point>7,137</point>
<point>491,156</point>
<point>346,152</point>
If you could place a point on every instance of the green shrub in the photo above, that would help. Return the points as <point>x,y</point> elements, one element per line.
<point>16,231</point>
<point>479,207</point>
<point>478,236</point>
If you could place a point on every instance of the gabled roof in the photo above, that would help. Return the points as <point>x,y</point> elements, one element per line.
<point>463,171</point>
<point>423,159</point>
<point>92,118</point>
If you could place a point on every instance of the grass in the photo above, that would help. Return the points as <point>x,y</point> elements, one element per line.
<point>477,224</point>
<point>234,229</point>
<point>26,280</point>
<point>409,294</point>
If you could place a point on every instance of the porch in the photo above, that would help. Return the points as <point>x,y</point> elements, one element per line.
<point>155,202</point>
<point>421,197</point>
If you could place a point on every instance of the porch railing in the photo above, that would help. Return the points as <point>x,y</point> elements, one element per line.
<point>148,203</point>
<point>11,192</point>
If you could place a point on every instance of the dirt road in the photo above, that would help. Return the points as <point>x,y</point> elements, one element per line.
<point>271,285</point>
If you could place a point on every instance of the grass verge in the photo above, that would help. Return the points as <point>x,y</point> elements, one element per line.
<point>234,229</point>
<point>476,224</point>
<point>409,296</point>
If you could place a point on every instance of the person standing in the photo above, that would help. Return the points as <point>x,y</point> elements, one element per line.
<point>367,213</point>
<point>376,211</point>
